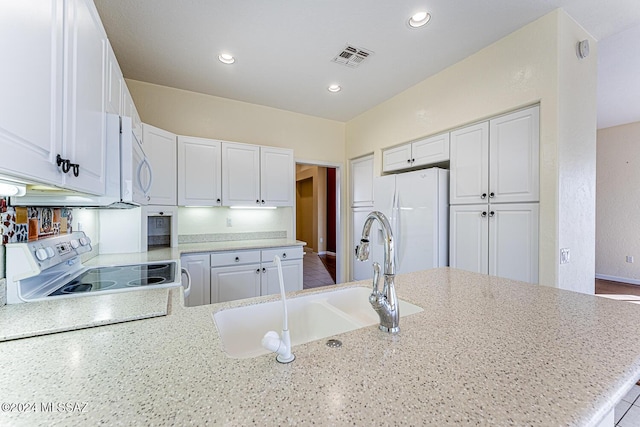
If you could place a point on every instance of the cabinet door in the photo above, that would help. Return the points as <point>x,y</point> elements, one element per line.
<point>469,165</point>
<point>513,241</point>
<point>160,148</point>
<point>514,157</point>
<point>235,282</point>
<point>31,42</point>
<point>240,174</point>
<point>362,181</point>
<point>84,118</point>
<point>129,110</point>
<point>360,270</point>
<point>199,269</point>
<point>468,238</point>
<point>291,275</point>
<point>114,81</point>
<point>396,158</point>
<point>199,172</point>
<point>428,151</point>
<point>277,177</point>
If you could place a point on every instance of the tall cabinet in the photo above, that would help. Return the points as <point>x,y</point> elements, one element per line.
<point>494,195</point>
<point>361,174</point>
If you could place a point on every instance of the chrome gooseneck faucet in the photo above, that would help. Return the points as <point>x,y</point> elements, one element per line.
<point>385,303</point>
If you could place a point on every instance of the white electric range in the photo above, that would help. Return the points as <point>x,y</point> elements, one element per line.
<point>52,268</point>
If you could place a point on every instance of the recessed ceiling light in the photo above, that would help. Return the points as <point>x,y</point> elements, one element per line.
<point>334,88</point>
<point>419,19</point>
<point>225,58</point>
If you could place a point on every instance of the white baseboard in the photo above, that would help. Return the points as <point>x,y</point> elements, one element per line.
<point>618,279</point>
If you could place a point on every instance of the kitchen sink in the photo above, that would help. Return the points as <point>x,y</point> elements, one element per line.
<point>311,317</point>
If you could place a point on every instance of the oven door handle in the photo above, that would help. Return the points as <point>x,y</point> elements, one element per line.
<point>187,290</point>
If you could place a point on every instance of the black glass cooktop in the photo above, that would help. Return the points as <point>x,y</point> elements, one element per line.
<point>119,277</point>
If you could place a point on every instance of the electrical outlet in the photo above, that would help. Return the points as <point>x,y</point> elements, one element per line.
<point>322,240</point>
<point>630,259</point>
<point>229,222</point>
<point>565,256</point>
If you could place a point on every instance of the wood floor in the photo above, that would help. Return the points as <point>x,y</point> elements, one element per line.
<point>609,287</point>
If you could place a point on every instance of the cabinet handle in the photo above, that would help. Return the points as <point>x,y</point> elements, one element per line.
<point>492,195</point>
<point>492,214</point>
<point>483,214</point>
<point>484,196</point>
<point>65,163</point>
<point>237,259</point>
<point>76,169</point>
<point>284,255</point>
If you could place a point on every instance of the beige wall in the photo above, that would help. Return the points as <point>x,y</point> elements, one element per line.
<point>618,203</point>
<point>524,68</point>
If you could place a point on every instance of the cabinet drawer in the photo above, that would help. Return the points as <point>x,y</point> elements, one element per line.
<point>285,253</point>
<point>234,258</point>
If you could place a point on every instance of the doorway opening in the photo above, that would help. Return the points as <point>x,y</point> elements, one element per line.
<point>317,222</point>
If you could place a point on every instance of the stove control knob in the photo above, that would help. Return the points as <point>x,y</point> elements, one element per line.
<point>41,254</point>
<point>50,252</point>
<point>84,241</point>
<point>74,244</point>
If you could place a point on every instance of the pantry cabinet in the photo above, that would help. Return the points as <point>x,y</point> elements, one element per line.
<point>423,152</point>
<point>52,101</point>
<point>199,172</point>
<point>497,161</point>
<point>257,176</point>
<point>160,148</point>
<point>498,239</point>
<point>361,172</point>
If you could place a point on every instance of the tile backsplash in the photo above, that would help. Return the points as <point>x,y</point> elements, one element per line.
<point>22,224</point>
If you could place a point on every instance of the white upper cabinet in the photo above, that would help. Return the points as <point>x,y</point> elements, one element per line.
<point>199,172</point>
<point>31,42</point>
<point>52,101</point>
<point>84,132</point>
<point>497,161</point>
<point>160,148</point>
<point>362,181</point>
<point>256,176</point>
<point>423,152</point>
<point>469,179</point>
<point>276,176</point>
<point>514,141</point>
<point>129,110</point>
<point>114,82</point>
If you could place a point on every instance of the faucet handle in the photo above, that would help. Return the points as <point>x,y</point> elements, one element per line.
<point>376,277</point>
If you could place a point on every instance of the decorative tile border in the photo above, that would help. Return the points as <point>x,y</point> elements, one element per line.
<point>22,224</point>
<point>225,237</point>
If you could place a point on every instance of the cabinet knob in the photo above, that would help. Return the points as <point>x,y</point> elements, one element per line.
<point>408,160</point>
<point>218,200</point>
<point>484,196</point>
<point>148,198</point>
<point>284,255</point>
<point>492,195</point>
<point>492,214</point>
<point>264,270</point>
<point>413,160</point>
<point>237,259</point>
<point>257,271</point>
<point>263,202</point>
<point>483,214</point>
<point>258,201</point>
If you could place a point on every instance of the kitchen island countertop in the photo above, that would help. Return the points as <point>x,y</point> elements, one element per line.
<point>485,351</point>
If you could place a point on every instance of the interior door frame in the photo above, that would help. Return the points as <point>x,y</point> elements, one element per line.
<point>339,232</point>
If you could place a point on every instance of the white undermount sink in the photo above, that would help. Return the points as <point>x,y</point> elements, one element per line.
<point>311,317</point>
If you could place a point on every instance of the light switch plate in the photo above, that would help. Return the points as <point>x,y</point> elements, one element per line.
<point>564,256</point>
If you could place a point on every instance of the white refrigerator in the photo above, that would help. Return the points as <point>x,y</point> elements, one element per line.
<point>417,206</point>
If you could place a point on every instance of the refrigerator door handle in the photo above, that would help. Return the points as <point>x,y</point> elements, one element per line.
<point>396,228</point>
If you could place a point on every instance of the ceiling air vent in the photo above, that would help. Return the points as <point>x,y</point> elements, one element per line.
<point>352,56</point>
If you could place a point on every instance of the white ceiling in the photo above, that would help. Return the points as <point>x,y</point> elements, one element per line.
<point>284,48</point>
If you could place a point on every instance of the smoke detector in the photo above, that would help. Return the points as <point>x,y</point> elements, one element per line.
<point>352,56</point>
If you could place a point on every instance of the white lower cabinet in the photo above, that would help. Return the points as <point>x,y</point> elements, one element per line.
<point>499,239</point>
<point>199,268</point>
<point>251,273</point>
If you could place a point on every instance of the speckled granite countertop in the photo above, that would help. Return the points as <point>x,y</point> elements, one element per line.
<point>485,351</point>
<point>162,254</point>
<point>65,314</point>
